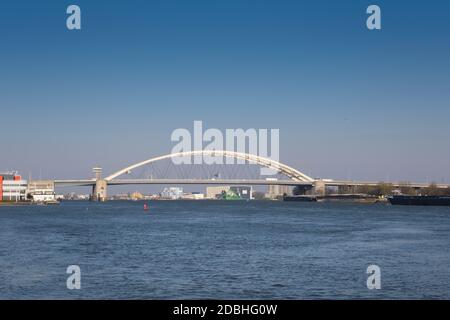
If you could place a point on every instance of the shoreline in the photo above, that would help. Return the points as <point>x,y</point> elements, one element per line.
<point>13,203</point>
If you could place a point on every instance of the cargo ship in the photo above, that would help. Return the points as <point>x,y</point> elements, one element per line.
<point>353,198</point>
<point>420,200</point>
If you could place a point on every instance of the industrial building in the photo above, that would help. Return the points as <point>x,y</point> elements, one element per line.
<point>227,192</point>
<point>215,191</point>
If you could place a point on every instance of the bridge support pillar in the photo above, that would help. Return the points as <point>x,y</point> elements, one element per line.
<point>99,191</point>
<point>319,187</point>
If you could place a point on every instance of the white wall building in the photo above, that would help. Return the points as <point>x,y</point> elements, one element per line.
<point>172,193</point>
<point>14,190</point>
<point>12,187</point>
<point>42,190</point>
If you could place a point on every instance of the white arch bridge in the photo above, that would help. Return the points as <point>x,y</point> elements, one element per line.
<point>291,176</point>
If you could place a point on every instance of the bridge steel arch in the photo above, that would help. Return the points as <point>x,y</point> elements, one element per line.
<point>290,172</point>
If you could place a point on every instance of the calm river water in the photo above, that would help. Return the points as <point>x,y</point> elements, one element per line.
<point>224,250</point>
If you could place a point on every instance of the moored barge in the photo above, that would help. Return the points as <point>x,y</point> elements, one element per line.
<point>420,200</point>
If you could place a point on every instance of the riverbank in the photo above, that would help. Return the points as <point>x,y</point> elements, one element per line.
<point>15,203</point>
<point>26,203</point>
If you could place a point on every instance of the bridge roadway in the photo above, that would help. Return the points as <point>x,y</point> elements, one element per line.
<point>327,182</point>
<point>91,182</point>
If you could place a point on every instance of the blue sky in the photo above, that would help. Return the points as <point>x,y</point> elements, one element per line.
<point>349,102</point>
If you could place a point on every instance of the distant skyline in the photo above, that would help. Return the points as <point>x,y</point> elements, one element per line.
<point>350,103</point>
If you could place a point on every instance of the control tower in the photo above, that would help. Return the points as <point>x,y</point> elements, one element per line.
<point>99,192</point>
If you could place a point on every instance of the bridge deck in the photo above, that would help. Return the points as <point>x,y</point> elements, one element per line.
<point>334,183</point>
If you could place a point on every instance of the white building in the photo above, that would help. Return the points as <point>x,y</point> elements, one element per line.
<point>14,190</point>
<point>172,193</point>
<point>42,191</point>
<point>12,187</point>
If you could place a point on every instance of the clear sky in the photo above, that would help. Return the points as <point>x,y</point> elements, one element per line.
<point>349,102</point>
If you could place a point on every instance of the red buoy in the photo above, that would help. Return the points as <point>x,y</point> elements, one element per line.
<point>145,206</point>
